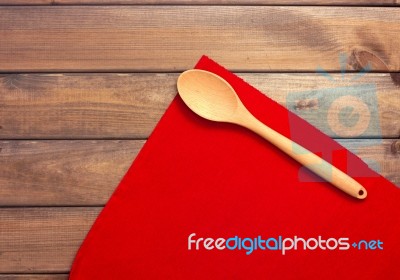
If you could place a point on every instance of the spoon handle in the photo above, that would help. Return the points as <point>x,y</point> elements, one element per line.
<point>308,159</point>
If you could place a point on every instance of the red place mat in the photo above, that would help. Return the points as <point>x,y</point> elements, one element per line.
<point>220,181</point>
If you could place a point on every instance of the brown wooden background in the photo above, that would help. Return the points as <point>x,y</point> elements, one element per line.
<point>83,83</point>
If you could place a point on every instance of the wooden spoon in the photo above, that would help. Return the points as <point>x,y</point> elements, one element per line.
<point>212,98</point>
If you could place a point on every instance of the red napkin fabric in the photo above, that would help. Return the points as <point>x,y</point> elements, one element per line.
<point>198,179</point>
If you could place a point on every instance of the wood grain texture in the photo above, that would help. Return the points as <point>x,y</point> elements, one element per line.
<point>172,38</point>
<point>202,2</point>
<point>42,240</point>
<point>89,106</point>
<point>62,172</point>
<point>96,106</point>
<point>34,277</point>
<point>381,155</point>
<point>43,173</point>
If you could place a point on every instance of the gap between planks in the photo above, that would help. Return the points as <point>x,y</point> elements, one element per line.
<point>54,276</point>
<point>206,2</point>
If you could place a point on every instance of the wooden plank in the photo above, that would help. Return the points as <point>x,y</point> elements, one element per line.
<point>42,240</point>
<point>89,106</point>
<point>98,106</point>
<point>62,172</point>
<point>202,2</point>
<point>382,156</point>
<point>42,173</point>
<point>172,38</point>
<point>34,277</point>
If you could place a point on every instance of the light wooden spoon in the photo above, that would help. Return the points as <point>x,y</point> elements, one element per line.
<point>212,98</point>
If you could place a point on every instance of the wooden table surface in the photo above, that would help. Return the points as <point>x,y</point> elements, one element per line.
<point>83,83</point>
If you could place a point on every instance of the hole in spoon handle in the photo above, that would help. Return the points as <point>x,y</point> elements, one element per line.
<point>362,193</point>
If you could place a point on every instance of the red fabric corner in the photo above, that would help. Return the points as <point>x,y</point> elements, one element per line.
<point>220,180</point>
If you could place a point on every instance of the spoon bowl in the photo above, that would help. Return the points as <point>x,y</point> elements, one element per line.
<point>208,95</point>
